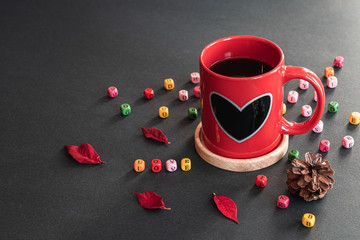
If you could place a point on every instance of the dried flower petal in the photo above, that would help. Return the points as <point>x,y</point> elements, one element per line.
<point>151,200</point>
<point>226,206</point>
<point>85,153</point>
<point>155,133</point>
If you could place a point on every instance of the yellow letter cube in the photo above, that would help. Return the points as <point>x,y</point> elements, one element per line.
<point>169,84</point>
<point>284,108</point>
<point>139,165</point>
<point>354,118</point>
<point>185,164</point>
<point>163,112</point>
<point>308,220</point>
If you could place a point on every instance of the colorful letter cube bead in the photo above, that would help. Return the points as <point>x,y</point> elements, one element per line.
<point>308,220</point>
<point>197,92</point>
<point>169,84</point>
<point>348,142</point>
<point>283,201</point>
<point>260,180</point>
<point>139,165</point>
<point>156,165</point>
<point>163,112</point>
<point>339,61</point>
<point>306,110</point>
<point>293,96</point>
<point>183,95</point>
<point>125,109</point>
<point>284,109</point>
<point>171,165</point>
<point>332,82</point>
<point>192,113</point>
<point>149,93</point>
<point>354,118</point>
<point>112,92</point>
<point>315,96</point>
<point>293,153</point>
<point>303,84</point>
<point>319,127</point>
<point>185,164</point>
<point>195,77</point>
<point>324,145</point>
<point>333,106</point>
<point>329,71</point>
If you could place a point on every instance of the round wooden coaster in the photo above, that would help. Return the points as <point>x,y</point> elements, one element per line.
<point>240,165</point>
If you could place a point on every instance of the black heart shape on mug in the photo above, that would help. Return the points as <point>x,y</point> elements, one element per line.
<point>242,123</point>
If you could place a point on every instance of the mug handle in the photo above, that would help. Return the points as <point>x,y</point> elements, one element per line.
<point>293,128</point>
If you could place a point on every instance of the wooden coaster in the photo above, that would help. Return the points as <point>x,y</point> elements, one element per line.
<point>240,165</point>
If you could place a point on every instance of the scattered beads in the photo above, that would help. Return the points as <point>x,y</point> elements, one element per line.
<point>283,201</point>
<point>303,84</point>
<point>185,164</point>
<point>195,77</point>
<point>148,93</point>
<point>348,142</point>
<point>333,106</point>
<point>125,109</point>
<point>156,165</point>
<point>293,153</point>
<point>329,71</point>
<point>332,82</point>
<point>197,92</point>
<point>112,92</point>
<point>192,113</point>
<point>315,96</point>
<point>319,127</point>
<point>169,84</point>
<point>339,61</point>
<point>324,145</point>
<point>354,118</point>
<point>163,112</point>
<point>308,220</point>
<point>183,95</point>
<point>284,109</point>
<point>293,96</point>
<point>171,165</point>
<point>306,110</point>
<point>260,180</point>
<point>139,165</point>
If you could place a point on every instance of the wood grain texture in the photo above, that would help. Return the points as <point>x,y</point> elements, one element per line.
<point>240,165</point>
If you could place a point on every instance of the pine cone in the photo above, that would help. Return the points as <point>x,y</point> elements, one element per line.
<point>310,178</point>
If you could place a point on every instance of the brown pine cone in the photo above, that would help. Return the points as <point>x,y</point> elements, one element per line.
<point>310,178</point>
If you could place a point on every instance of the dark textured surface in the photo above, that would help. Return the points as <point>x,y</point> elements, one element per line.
<point>59,57</point>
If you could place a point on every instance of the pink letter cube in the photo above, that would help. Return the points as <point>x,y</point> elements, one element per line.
<point>112,92</point>
<point>282,201</point>
<point>332,82</point>
<point>339,61</point>
<point>171,165</point>
<point>324,145</point>
<point>306,110</point>
<point>197,91</point>
<point>348,142</point>
<point>293,97</point>
<point>319,127</point>
<point>303,84</point>
<point>195,77</point>
<point>183,95</point>
<point>315,96</point>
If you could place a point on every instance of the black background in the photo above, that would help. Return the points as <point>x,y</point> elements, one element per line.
<point>57,58</point>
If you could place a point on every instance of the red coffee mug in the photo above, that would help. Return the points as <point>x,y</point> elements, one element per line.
<point>242,117</point>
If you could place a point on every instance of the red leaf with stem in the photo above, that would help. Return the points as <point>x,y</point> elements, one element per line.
<point>155,133</point>
<point>85,153</point>
<point>151,200</point>
<point>226,206</point>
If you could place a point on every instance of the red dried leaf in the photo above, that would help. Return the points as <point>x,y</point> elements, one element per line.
<point>85,153</point>
<point>155,133</point>
<point>226,206</point>
<point>151,200</point>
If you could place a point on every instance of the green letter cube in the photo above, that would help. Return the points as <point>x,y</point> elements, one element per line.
<point>125,109</point>
<point>192,113</point>
<point>333,106</point>
<point>293,153</point>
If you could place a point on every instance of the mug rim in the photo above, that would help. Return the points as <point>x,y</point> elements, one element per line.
<point>254,38</point>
